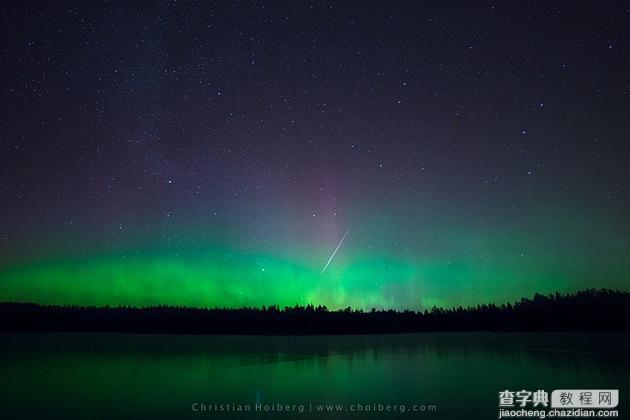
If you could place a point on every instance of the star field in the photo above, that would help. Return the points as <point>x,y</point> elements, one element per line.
<point>215,153</point>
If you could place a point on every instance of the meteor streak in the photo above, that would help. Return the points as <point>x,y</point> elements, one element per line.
<point>335,251</point>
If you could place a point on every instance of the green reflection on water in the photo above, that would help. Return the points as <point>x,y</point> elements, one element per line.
<point>132,376</point>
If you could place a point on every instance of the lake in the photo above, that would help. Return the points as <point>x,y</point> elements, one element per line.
<point>160,376</point>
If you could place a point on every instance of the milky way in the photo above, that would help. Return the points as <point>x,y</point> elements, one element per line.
<point>184,153</point>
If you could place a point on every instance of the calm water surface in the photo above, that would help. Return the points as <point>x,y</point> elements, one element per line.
<point>155,376</point>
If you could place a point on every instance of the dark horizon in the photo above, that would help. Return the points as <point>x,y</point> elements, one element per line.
<point>587,310</point>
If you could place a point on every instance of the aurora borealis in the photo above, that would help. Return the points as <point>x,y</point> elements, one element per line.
<point>205,155</point>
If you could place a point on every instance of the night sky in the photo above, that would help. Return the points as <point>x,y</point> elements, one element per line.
<point>216,154</point>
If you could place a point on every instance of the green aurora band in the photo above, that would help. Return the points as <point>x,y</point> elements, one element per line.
<point>382,264</point>
<point>217,277</point>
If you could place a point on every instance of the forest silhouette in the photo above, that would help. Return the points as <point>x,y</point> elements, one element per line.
<point>587,310</point>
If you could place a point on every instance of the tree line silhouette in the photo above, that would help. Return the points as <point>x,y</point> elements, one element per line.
<point>587,310</point>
